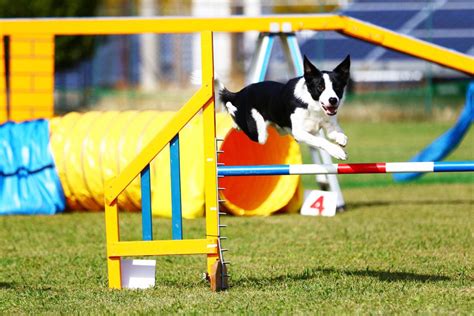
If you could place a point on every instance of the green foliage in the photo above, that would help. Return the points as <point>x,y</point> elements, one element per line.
<point>69,49</point>
<point>47,8</point>
<point>303,6</point>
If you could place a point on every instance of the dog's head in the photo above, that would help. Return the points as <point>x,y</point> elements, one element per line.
<point>327,87</point>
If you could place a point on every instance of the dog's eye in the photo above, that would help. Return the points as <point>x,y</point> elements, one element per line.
<point>320,87</point>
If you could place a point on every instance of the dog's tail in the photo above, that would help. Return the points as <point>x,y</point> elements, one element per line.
<point>226,97</point>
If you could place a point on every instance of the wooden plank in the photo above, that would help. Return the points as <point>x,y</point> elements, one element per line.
<point>112,236</point>
<point>147,227</point>
<point>272,23</point>
<point>162,247</point>
<point>408,45</point>
<point>130,25</point>
<point>176,211</point>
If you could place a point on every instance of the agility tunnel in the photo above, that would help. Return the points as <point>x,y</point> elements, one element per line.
<point>29,183</point>
<point>85,149</point>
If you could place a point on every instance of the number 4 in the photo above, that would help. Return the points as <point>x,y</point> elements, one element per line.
<point>318,204</point>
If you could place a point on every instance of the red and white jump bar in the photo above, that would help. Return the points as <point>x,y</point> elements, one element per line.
<point>354,168</point>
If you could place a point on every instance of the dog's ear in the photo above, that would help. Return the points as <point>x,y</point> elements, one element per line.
<point>309,69</point>
<point>343,69</point>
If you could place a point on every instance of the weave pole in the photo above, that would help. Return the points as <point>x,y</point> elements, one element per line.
<point>355,168</point>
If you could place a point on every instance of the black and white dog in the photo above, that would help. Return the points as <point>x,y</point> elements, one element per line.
<point>301,107</point>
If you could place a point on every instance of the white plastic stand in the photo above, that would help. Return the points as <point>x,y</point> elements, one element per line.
<point>138,274</point>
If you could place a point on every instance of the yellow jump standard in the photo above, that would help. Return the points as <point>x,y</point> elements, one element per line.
<point>210,245</point>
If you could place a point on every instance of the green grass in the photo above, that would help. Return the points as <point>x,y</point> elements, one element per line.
<point>399,249</point>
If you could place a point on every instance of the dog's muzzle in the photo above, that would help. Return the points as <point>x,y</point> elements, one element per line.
<point>330,110</point>
<point>331,107</point>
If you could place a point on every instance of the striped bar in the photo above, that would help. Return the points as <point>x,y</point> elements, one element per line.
<point>147,228</point>
<point>452,166</point>
<point>176,212</point>
<point>355,168</point>
<point>261,170</point>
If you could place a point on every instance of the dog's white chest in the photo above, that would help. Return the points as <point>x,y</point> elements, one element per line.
<point>306,119</point>
<point>312,121</point>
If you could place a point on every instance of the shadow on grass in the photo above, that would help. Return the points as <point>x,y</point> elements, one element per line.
<point>23,287</point>
<point>388,276</point>
<point>365,204</point>
<point>382,275</point>
<point>7,285</point>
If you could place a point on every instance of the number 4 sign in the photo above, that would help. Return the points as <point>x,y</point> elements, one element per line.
<point>320,203</point>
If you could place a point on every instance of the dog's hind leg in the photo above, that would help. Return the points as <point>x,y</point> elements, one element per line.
<point>261,126</point>
<point>254,128</point>
<point>230,108</point>
<point>251,129</point>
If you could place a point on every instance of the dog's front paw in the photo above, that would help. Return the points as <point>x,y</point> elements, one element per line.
<point>339,138</point>
<point>336,151</point>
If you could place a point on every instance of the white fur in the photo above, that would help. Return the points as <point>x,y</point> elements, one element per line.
<point>261,126</point>
<point>301,92</point>
<point>334,132</point>
<point>305,123</point>
<point>231,108</point>
<point>328,91</point>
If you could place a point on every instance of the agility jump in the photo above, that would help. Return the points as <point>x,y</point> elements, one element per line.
<point>354,168</point>
<point>203,101</point>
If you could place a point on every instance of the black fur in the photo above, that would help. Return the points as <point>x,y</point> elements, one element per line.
<point>276,101</point>
<point>314,78</point>
<point>273,100</point>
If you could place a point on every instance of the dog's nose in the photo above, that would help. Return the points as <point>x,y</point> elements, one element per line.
<point>333,101</point>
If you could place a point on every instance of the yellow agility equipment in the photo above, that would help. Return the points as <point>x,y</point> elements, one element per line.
<point>33,45</point>
<point>91,147</point>
<point>139,166</point>
<point>270,23</point>
<point>202,101</point>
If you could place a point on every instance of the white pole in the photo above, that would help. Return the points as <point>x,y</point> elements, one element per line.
<point>251,8</point>
<point>222,41</point>
<point>149,69</point>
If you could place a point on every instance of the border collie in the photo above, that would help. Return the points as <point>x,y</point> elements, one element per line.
<point>301,107</point>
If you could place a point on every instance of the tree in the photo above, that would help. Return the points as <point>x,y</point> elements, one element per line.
<point>69,49</point>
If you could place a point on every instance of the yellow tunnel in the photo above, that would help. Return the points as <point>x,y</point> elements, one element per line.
<point>91,147</point>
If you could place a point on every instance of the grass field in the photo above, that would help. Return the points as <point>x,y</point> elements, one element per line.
<point>400,248</point>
